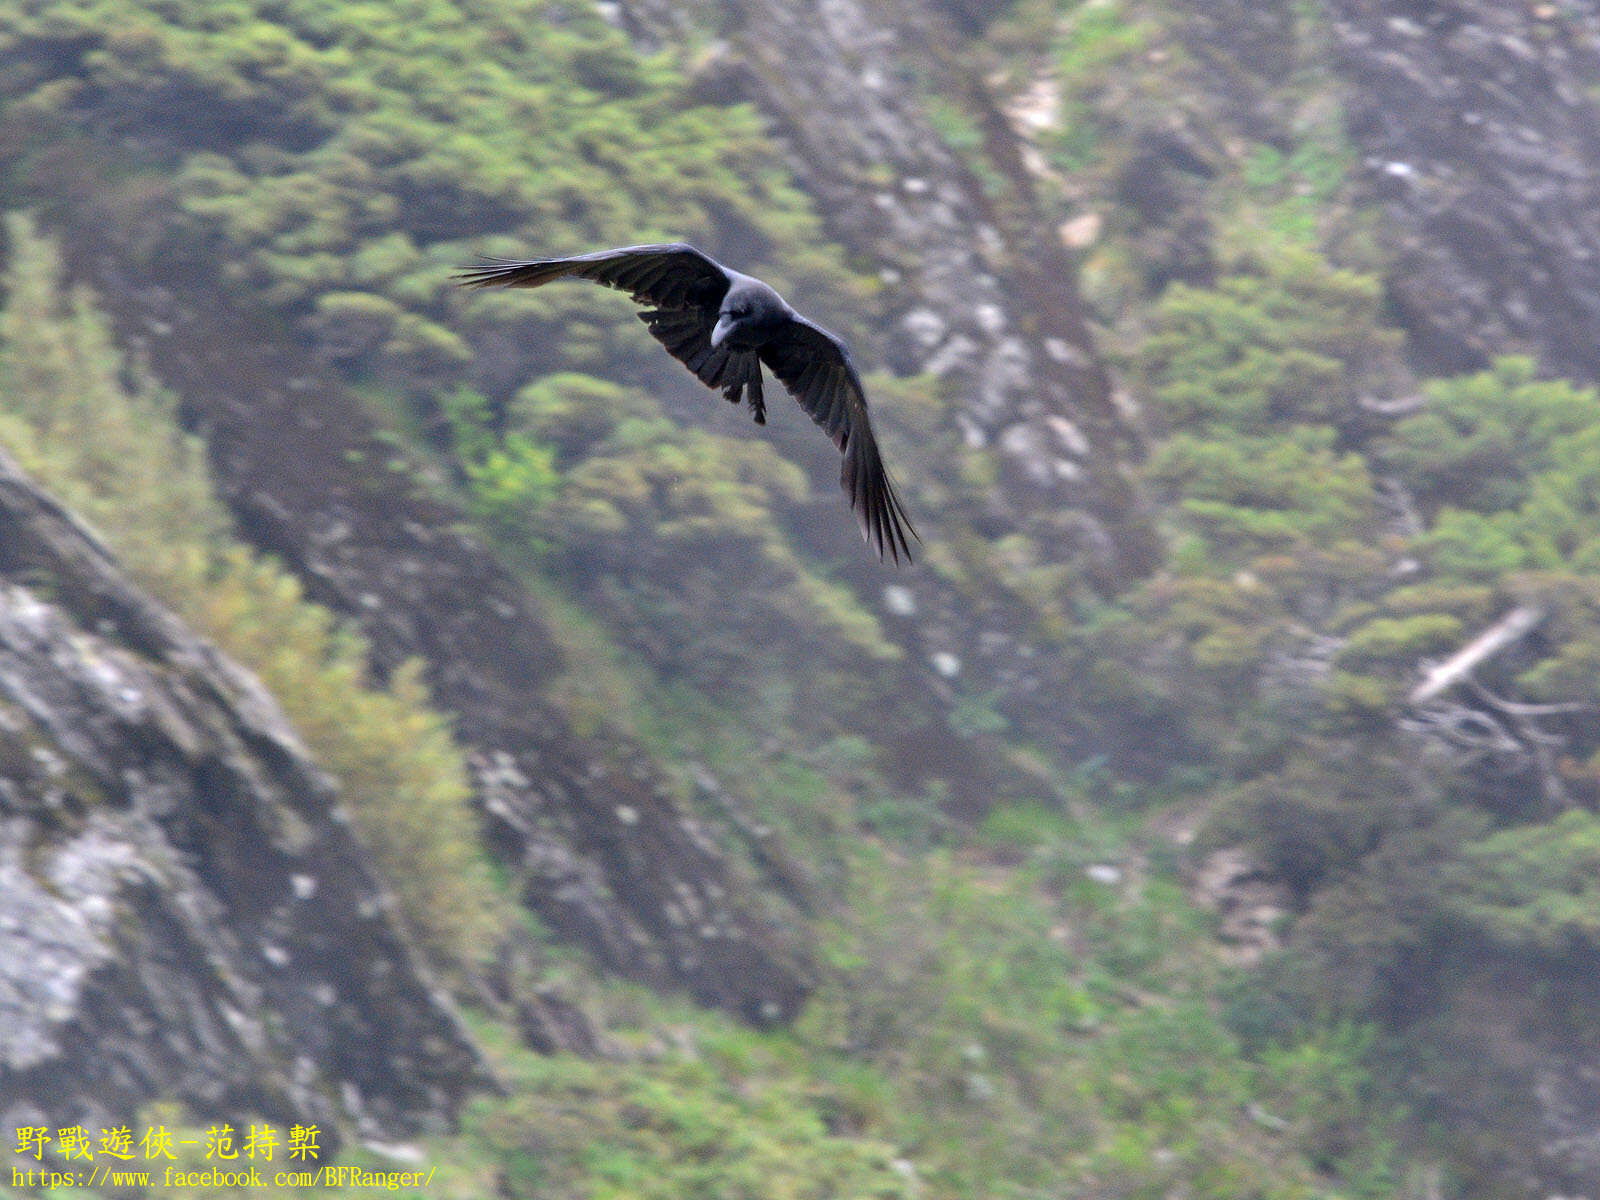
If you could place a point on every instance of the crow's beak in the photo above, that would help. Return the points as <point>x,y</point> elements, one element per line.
<point>723,328</point>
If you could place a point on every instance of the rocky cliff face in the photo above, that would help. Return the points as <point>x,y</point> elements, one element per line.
<point>183,909</point>
<point>1481,138</point>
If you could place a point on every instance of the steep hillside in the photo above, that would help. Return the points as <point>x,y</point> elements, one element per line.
<point>1376,581</point>
<point>187,914</point>
<point>1210,811</point>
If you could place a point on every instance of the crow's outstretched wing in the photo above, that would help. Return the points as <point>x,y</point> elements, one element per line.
<point>683,288</point>
<point>816,369</point>
<point>672,275</point>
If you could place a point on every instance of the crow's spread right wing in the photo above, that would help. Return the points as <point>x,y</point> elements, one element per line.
<point>673,275</point>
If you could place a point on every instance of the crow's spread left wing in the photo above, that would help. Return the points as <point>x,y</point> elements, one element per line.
<point>816,369</point>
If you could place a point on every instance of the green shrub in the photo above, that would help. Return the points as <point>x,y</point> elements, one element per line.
<point>1535,888</point>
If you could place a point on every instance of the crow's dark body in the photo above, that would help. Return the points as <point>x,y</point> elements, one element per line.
<point>724,327</point>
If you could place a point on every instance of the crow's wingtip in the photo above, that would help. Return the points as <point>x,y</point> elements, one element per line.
<point>484,273</point>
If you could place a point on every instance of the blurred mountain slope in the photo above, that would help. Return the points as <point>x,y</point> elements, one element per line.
<point>1260,615</point>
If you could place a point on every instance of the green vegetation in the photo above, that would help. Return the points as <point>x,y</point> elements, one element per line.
<point>1029,1005</point>
<point>1049,1024</point>
<point>638,498</point>
<point>1008,1033</point>
<point>1534,888</point>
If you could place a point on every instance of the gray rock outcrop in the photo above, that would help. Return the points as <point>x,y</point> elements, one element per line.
<point>184,912</point>
<point>1480,133</point>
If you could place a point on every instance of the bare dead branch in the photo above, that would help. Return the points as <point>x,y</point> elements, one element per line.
<point>1516,708</point>
<point>1512,627</point>
<point>1469,729</point>
<point>1398,406</point>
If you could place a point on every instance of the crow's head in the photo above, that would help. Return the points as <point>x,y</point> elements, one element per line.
<point>731,323</point>
<point>751,312</point>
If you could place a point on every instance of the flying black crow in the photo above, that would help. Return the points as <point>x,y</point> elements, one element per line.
<point>723,325</point>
